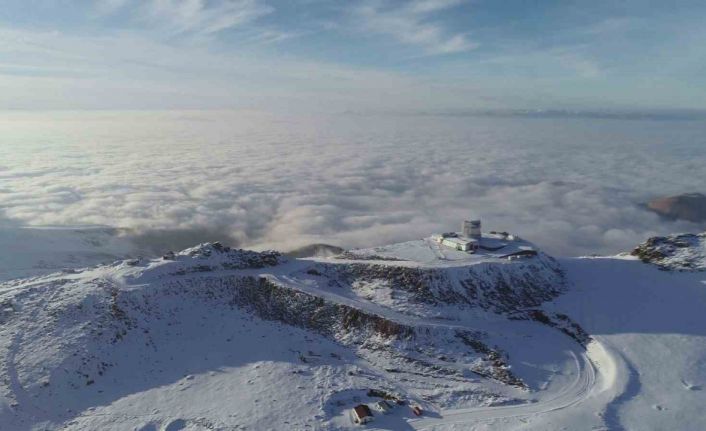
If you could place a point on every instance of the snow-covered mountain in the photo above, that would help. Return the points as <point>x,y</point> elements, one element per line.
<point>214,338</point>
<point>675,252</point>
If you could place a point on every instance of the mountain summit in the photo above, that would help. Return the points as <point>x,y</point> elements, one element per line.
<point>217,338</point>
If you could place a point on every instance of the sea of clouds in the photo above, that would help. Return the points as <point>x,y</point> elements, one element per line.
<point>172,179</point>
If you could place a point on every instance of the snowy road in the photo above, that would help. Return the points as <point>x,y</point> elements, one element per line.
<point>595,375</point>
<point>644,370</point>
<point>597,370</point>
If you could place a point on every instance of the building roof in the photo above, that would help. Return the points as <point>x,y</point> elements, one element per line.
<point>362,410</point>
<point>457,240</point>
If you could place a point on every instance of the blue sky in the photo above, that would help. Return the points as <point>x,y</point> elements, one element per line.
<point>326,55</point>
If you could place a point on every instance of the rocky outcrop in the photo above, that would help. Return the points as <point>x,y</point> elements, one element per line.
<point>683,252</point>
<point>496,286</point>
<point>410,347</point>
<point>352,255</point>
<point>207,257</point>
<point>559,321</point>
<point>688,206</point>
<point>271,301</point>
<point>98,311</point>
<point>315,250</point>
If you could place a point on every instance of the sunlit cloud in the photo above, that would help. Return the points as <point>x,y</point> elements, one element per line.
<point>266,181</point>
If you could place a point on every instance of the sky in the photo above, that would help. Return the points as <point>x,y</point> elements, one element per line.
<point>359,55</point>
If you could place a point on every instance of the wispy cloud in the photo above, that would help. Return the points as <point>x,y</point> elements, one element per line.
<point>274,36</point>
<point>193,16</point>
<point>131,69</point>
<point>427,6</point>
<point>553,56</point>
<point>413,24</point>
<point>583,66</point>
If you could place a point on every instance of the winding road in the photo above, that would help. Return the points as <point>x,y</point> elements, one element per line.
<point>596,377</point>
<point>599,371</point>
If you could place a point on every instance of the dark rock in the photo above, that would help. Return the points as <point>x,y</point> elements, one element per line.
<point>688,206</point>
<point>315,250</point>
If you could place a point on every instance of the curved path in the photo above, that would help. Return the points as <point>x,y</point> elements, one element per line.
<point>598,370</point>
<point>600,373</point>
<point>595,376</point>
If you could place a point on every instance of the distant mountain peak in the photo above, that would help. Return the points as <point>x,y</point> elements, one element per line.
<point>687,206</point>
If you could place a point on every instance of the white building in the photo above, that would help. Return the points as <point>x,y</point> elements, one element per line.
<point>460,244</point>
<point>468,240</point>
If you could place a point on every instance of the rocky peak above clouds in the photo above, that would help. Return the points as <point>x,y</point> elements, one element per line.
<point>683,252</point>
<point>687,206</point>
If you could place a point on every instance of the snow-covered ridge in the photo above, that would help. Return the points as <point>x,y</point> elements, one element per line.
<point>64,332</point>
<point>683,252</point>
<point>207,257</point>
<point>215,338</point>
<point>492,285</point>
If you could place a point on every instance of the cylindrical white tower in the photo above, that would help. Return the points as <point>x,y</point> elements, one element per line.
<point>472,229</point>
<point>466,229</point>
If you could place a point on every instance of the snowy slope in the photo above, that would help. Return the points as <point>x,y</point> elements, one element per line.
<point>655,322</point>
<point>73,342</point>
<point>31,251</point>
<point>213,338</point>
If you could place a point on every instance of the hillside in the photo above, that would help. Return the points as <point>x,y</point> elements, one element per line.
<point>31,251</point>
<point>214,338</point>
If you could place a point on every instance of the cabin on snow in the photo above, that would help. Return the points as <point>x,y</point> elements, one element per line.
<point>361,414</point>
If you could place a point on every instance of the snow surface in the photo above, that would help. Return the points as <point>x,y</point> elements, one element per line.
<point>149,344</point>
<point>654,322</point>
<point>31,251</point>
<point>428,252</point>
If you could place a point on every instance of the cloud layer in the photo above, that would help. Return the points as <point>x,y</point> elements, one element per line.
<point>571,185</point>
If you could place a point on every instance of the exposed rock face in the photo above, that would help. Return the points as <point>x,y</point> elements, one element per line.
<point>352,255</point>
<point>80,319</point>
<point>315,250</point>
<point>211,257</point>
<point>410,347</point>
<point>688,206</point>
<point>559,321</point>
<point>684,252</point>
<point>113,315</point>
<point>273,302</point>
<point>492,286</point>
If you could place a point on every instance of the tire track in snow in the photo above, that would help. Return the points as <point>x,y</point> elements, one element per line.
<point>597,362</point>
<point>597,365</point>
